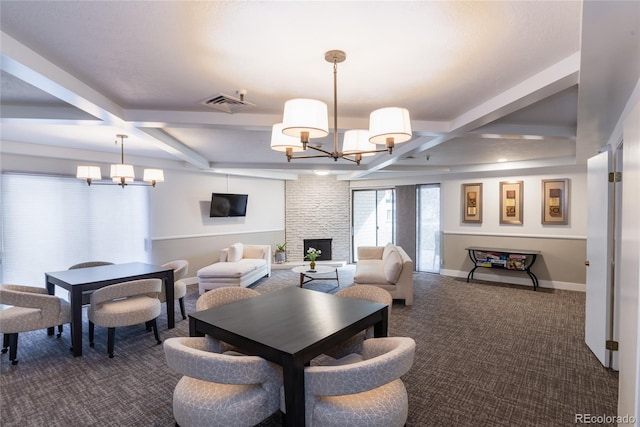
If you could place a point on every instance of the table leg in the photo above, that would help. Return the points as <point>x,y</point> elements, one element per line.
<point>193,328</point>
<point>293,378</point>
<point>169,292</point>
<point>301,279</point>
<point>76,320</point>
<point>52,291</point>
<point>381,329</point>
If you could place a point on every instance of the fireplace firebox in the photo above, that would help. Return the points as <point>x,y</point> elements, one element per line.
<point>324,245</point>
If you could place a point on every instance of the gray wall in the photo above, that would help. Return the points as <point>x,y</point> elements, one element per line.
<point>406,232</point>
<point>563,247</point>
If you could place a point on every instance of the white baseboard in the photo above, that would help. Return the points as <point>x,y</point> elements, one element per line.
<point>525,280</point>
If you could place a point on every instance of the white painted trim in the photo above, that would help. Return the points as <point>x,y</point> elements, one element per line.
<point>525,281</point>
<point>528,236</point>
<point>195,236</point>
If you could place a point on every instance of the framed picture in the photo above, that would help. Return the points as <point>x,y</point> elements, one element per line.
<point>472,203</point>
<point>555,201</point>
<point>511,202</point>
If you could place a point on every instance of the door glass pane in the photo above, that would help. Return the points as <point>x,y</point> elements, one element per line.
<point>429,228</point>
<point>373,218</point>
<point>386,216</point>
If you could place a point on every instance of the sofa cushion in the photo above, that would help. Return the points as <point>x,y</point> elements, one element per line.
<point>235,252</point>
<point>231,269</point>
<point>370,271</point>
<point>369,252</point>
<point>392,266</point>
<point>252,251</point>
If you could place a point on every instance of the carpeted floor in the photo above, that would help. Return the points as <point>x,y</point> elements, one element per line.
<point>487,355</point>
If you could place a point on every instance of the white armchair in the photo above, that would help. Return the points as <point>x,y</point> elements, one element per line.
<point>29,309</point>
<point>180,270</point>
<point>388,267</point>
<point>367,392</point>
<point>365,293</point>
<point>220,389</point>
<point>125,304</point>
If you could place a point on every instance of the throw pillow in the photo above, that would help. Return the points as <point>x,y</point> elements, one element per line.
<point>388,248</point>
<point>393,267</point>
<point>224,254</point>
<point>235,252</point>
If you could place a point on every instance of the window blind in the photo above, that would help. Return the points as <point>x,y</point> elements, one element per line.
<point>50,223</point>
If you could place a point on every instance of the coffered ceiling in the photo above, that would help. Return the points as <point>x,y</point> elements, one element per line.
<point>487,84</point>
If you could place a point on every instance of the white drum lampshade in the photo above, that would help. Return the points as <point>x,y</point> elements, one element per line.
<point>89,172</point>
<point>356,141</point>
<point>390,122</point>
<point>280,141</point>
<point>153,175</point>
<point>305,115</point>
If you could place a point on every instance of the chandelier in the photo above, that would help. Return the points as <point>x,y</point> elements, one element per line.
<point>121,174</point>
<point>304,119</point>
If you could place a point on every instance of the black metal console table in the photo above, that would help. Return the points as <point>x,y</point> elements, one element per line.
<point>506,259</point>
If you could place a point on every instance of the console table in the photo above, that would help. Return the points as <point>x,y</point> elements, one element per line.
<point>506,259</point>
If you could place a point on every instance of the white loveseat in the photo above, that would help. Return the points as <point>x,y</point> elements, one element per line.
<point>388,267</point>
<point>239,265</point>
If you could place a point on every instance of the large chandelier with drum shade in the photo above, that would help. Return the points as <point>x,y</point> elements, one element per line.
<point>305,119</point>
<point>121,173</point>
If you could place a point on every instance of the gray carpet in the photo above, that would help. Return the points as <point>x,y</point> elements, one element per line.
<point>487,355</point>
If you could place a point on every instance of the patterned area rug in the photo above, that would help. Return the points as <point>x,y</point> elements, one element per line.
<point>487,355</point>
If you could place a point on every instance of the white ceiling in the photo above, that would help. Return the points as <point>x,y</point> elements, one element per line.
<point>483,80</point>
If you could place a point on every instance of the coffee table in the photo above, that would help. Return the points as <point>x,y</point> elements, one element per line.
<point>320,273</point>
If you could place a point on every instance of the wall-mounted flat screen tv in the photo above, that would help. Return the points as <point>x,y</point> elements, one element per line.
<point>224,204</point>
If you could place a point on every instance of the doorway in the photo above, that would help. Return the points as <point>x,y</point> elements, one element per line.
<point>373,218</point>
<point>428,228</point>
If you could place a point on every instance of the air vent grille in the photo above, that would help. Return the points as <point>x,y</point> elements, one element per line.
<point>226,103</point>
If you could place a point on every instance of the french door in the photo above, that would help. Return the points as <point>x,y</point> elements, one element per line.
<point>373,218</point>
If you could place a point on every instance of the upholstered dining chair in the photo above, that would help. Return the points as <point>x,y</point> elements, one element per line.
<point>220,389</point>
<point>180,270</point>
<point>367,293</point>
<point>89,264</point>
<point>86,295</point>
<point>361,390</point>
<point>125,304</point>
<point>28,309</point>
<point>225,295</point>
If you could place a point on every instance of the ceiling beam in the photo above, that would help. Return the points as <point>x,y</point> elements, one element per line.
<point>560,76</point>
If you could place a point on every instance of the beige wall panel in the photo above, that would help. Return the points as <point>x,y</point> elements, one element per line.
<point>561,260</point>
<point>202,251</point>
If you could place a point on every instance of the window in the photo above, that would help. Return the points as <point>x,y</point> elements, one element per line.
<point>373,218</point>
<point>51,223</point>
<point>428,228</point>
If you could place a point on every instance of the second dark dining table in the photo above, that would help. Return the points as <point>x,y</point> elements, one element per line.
<point>290,327</point>
<point>86,279</point>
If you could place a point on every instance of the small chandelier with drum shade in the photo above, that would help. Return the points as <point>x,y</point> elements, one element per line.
<point>305,119</point>
<point>121,173</point>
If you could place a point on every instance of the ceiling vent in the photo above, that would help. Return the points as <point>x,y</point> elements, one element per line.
<point>227,103</point>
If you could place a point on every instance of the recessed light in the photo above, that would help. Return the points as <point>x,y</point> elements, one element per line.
<point>321,172</point>
<point>502,160</point>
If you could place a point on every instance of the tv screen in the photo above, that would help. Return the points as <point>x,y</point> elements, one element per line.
<point>223,204</point>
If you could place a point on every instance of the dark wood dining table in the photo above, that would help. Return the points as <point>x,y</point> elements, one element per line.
<point>86,279</point>
<point>290,327</point>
